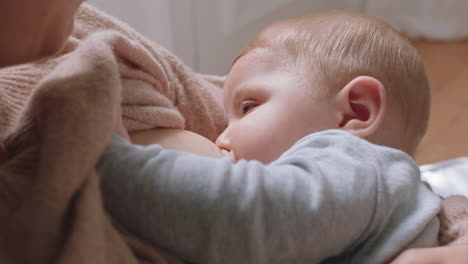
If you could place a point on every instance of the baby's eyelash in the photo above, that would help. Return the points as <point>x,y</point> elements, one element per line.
<point>247,106</point>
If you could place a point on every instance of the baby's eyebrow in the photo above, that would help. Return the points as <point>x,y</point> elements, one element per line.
<point>242,89</point>
<point>246,88</point>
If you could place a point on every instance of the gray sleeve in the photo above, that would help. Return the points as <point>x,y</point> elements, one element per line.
<point>316,201</point>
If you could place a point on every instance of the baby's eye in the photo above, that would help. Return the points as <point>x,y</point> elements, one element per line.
<point>247,106</point>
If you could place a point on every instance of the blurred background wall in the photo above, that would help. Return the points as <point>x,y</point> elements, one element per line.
<point>208,34</point>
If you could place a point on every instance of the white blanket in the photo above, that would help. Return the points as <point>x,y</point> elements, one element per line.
<point>447,177</point>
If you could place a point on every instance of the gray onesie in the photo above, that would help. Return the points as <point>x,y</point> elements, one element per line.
<point>331,198</point>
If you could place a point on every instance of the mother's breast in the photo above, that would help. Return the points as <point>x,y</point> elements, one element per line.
<point>177,139</point>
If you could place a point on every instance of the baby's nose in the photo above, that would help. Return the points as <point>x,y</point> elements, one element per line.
<point>223,141</point>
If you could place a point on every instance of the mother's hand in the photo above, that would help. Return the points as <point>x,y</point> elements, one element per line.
<point>438,255</point>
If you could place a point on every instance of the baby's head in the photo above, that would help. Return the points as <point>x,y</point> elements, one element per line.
<point>335,70</point>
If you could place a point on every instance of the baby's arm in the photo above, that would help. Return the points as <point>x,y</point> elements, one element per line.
<point>213,211</point>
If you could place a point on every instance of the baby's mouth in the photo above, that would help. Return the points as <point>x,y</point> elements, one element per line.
<point>229,154</point>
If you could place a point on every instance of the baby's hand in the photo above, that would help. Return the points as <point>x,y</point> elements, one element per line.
<point>437,255</point>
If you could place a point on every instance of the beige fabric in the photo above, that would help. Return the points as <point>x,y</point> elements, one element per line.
<point>50,207</point>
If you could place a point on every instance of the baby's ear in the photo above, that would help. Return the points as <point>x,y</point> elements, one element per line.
<point>363,103</point>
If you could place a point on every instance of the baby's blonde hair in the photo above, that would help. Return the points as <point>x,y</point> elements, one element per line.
<point>344,45</point>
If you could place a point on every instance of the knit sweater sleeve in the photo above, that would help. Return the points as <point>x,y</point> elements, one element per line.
<point>16,86</point>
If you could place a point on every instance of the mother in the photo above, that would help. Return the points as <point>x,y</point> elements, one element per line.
<point>33,29</point>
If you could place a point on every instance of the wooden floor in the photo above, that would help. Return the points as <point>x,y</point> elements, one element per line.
<point>447,66</point>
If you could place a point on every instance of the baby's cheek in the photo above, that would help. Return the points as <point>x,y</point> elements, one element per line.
<point>242,140</point>
<point>252,141</point>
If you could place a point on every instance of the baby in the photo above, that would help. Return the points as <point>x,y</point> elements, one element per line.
<point>323,111</point>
